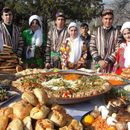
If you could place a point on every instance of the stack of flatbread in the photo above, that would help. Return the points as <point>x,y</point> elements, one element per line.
<point>8,60</point>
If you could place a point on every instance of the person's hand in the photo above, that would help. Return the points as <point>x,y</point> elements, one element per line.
<point>47,65</point>
<point>103,64</point>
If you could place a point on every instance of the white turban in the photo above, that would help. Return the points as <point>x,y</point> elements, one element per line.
<point>35,17</point>
<point>124,26</point>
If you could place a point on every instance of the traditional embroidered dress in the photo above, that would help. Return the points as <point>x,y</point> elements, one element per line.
<point>12,38</point>
<point>122,58</point>
<point>33,48</point>
<point>103,46</point>
<point>89,57</point>
<point>74,54</point>
<point>54,42</point>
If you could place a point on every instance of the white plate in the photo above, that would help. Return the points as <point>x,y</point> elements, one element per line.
<point>88,70</point>
<point>12,95</point>
<point>127,88</point>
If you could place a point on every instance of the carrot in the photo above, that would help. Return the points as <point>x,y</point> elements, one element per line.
<point>116,82</point>
<point>100,124</point>
<point>71,76</point>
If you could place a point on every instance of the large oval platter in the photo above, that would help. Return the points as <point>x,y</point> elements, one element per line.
<point>64,87</point>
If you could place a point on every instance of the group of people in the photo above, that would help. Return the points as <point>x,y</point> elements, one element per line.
<point>69,47</point>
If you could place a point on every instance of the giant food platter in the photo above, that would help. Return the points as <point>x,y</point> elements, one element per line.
<point>64,87</point>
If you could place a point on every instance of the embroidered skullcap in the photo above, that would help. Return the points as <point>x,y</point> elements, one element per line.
<point>107,11</point>
<point>124,26</point>
<point>35,17</point>
<point>60,14</point>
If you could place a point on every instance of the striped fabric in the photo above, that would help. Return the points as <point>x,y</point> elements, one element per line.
<point>54,41</point>
<point>16,41</point>
<point>103,46</point>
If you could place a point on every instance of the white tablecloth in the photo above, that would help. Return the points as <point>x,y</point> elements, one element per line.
<point>79,109</point>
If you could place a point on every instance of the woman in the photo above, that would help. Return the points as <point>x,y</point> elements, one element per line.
<point>33,49</point>
<point>122,57</point>
<point>73,51</point>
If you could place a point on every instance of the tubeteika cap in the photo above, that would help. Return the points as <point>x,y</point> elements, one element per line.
<point>60,14</point>
<point>107,11</point>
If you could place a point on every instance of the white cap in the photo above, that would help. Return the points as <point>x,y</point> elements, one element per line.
<point>124,26</point>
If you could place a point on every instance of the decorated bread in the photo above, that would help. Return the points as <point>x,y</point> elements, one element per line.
<point>27,121</point>
<point>39,112</point>
<point>58,118</point>
<point>21,109</point>
<point>59,108</point>
<point>41,95</point>
<point>7,111</point>
<point>75,125</point>
<point>15,124</point>
<point>3,122</point>
<point>30,98</point>
<point>44,124</point>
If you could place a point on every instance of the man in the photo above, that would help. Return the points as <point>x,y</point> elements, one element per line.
<point>85,36</point>
<point>56,36</point>
<point>103,43</point>
<point>11,43</point>
<point>9,33</point>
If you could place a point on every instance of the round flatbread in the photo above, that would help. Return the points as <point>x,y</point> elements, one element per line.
<point>7,67</point>
<point>12,61</point>
<point>13,70</point>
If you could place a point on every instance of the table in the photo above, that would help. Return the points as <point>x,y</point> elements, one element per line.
<point>79,109</point>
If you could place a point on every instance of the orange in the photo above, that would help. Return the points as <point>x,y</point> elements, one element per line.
<point>111,128</point>
<point>88,120</point>
<point>62,49</point>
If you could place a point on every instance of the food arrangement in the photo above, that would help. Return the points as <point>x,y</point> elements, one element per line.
<point>3,94</point>
<point>34,113</point>
<point>126,73</point>
<point>9,62</point>
<point>29,71</point>
<point>114,116</point>
<point>114,79</point>
<point>64,85</point>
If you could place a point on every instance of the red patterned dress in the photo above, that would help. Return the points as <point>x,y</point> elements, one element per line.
<point>120,60</point>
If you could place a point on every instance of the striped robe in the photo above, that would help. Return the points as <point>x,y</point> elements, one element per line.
<point>103,46</point>
<point>16,41</point>
<point>54,42</point>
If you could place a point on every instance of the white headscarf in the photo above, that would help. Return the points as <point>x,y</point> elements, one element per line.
<point>37,38</point>
<point>126,55</point>
<point>76,46</point>
<point>35,17</point>
<point>126,25</point>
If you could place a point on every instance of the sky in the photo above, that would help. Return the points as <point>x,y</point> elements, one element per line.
<point>108,1</point>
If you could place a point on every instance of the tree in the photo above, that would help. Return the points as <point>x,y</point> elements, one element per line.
<point>121,10</point>
<point>81,10</point>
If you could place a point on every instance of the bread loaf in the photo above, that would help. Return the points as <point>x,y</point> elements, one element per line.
<point>15,124</point>
<point>30,98</point>
<point>21,109</point>
<point>3,122</point>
